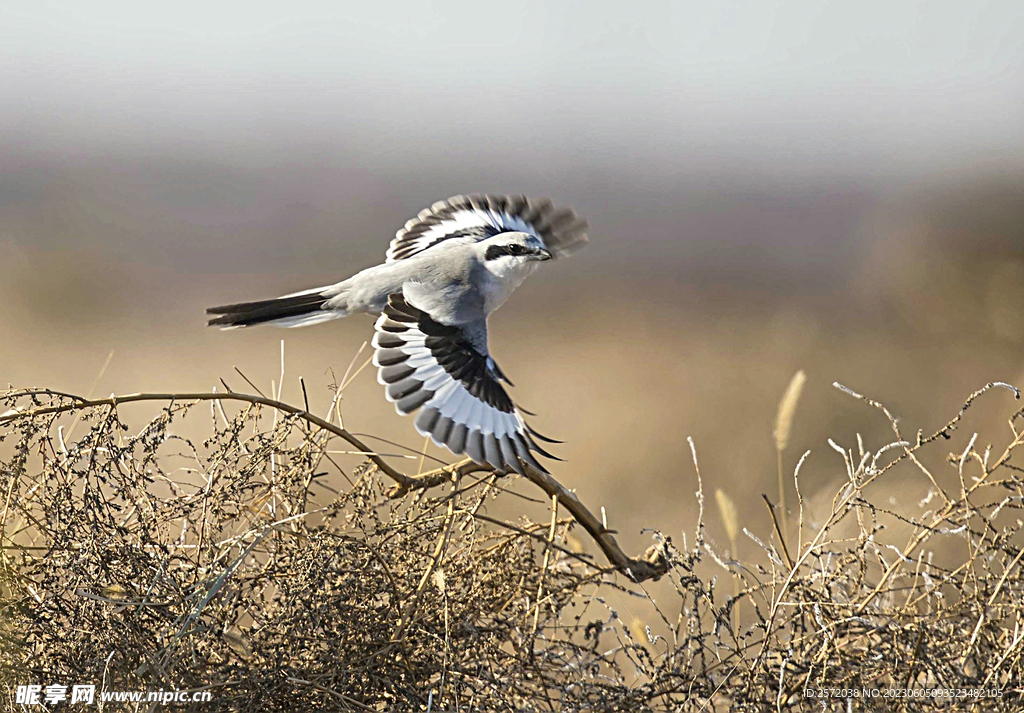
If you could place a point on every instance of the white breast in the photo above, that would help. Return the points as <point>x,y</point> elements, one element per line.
<point>501,280</point>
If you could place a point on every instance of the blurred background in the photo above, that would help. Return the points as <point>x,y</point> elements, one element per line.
<point>772,186</point>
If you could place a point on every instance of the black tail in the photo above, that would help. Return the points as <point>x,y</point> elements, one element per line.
<point>285,310</point>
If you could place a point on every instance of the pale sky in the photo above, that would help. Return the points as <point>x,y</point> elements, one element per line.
<point>868,86</point>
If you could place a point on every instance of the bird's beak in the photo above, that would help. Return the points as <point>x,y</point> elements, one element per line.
<point>542,254</point>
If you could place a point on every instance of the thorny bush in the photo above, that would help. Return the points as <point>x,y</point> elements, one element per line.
<point>137,559</point>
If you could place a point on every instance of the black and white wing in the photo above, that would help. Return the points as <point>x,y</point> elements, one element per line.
<point>482,217</point>
<point>441,369</point>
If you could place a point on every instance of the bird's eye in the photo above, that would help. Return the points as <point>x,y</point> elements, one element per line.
<point>515,249</point>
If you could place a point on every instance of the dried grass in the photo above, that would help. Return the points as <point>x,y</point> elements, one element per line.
<point>140,559</point>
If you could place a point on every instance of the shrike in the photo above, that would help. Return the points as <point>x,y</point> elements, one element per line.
<point>446,271</point>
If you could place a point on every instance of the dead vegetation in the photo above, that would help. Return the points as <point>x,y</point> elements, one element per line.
<point>253,566</point>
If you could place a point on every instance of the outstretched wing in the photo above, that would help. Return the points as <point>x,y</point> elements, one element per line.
<point>442,370</point>
<point>481,217</point>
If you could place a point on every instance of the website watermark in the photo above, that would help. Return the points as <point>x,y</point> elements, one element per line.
<point>904,693</point>
<point>86,694</point>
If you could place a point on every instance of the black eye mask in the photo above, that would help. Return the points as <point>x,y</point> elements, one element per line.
<point>496,251</point>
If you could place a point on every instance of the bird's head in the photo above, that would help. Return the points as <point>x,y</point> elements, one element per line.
<point>509,258</point>
<point>507,251</point>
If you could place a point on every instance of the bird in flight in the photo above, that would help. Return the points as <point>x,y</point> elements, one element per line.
<point>445,272</point>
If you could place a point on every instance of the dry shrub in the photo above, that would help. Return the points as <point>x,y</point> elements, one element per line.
<point>139,560</point>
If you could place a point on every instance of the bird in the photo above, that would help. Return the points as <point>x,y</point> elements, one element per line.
<point>445,272</point>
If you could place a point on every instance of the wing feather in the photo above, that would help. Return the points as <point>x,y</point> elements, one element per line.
<point>478,217</point>
<point>437,369</point>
